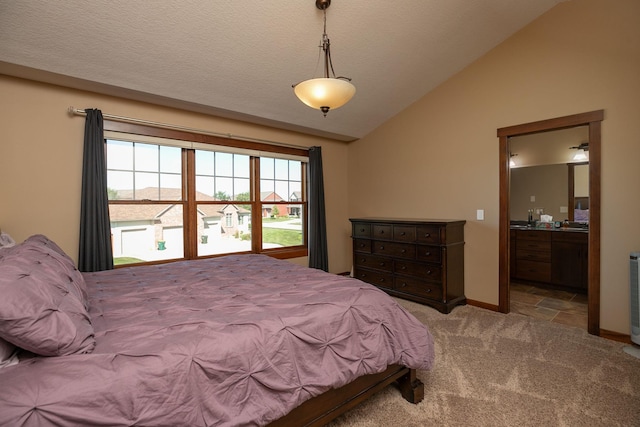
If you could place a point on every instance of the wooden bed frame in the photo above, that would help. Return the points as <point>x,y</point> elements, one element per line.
<point>319,410</point>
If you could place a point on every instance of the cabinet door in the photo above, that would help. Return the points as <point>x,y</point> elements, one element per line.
<point>569,264</point>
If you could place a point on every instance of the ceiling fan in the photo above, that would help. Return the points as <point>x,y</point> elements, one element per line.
<point>583,146</point>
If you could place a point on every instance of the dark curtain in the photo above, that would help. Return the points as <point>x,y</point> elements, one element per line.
<point>95,231</point>
<point>318,255</point>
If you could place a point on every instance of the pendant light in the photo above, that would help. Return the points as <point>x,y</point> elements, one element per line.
<point>328,92</point>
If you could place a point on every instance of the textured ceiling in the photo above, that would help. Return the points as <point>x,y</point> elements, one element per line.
<point>239,58</point>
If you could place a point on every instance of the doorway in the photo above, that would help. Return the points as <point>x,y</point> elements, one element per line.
<point>593,120</point>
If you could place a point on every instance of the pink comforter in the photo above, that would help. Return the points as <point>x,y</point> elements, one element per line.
<point>237,340</point>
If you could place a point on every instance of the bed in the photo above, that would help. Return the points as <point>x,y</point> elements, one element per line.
<point>235,340</point>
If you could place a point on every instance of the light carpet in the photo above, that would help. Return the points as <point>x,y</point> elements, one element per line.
<point>497,370</point>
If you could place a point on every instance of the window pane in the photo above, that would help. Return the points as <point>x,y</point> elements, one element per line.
<point>266,168</point>
<point>117,182</point>
<point>147,186</point>
<point>282,226</point>
<point>282,169</point>
<point>170,159</point>
<point>119,155</point>
<point>282,189</point>
<point>224,164</point>
<point>223,229</point>
<point>241,189</point>
<point>146,157</point>
<point>147,232</point>
<point>267,191</point>
<point>204,187</point>
<point>204,162</point>
<point>224,188</point>
<point>170,181</point>
<point>295,171</point>
<point>295,191</point>
<point>241,166</point>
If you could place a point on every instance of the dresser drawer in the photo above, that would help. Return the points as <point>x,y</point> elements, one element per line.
<point>430,272</point>
<point>404,233</point>
<point>362,245</point>
<point>533,245</point>
<point>543,256</point>
<point>429,254</point>
<point>419,288</point>
<point>374,262</point>
<point>428,234</point>
<point>400,250</point>
<point>542,236</point>
<point>361,229</point>
<point>376,278</point>
<point>533,270</point>
<point>382,231</point>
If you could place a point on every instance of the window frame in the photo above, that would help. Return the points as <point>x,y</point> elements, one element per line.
<point>189,201</point>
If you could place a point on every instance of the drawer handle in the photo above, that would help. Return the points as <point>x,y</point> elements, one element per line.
<point>382,264</point>
<point>381,231</point>
<point>403,285</point>
<point>428,290</point>
<point>381,280</point>
<point>403,233</point>
<point>428,272</point>
<point>362,230</point>
<point>403,251</point>
<point>363,260</point>
<point>362,245</point>
<point>381,248</point>
<point>427,235</point>
<point>427,253</point>
<point>404,267</point>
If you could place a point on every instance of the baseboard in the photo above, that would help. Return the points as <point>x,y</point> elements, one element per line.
<point>615,336</point>
<point>484,305</point>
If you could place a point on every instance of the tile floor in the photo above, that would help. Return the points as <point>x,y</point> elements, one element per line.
<point>549,304</point>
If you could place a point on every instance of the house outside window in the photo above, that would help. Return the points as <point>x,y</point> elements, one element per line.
<point>177,199</point>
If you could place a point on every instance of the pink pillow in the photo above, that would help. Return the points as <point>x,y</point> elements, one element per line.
<point>39,311</point>
<point>76,283</point>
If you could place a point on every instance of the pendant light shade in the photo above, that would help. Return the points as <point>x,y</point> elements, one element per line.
<point>324,93</point>
<point>328,92</point>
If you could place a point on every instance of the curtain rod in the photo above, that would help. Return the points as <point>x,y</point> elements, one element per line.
<point>78,112</point>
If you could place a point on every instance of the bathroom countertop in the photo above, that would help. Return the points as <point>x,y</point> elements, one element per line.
<point>563,229</point>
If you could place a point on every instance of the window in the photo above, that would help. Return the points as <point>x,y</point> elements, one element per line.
<point>178,199</point>
<point>280,184</point>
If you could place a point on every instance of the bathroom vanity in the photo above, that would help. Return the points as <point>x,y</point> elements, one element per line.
<point>557,257</point>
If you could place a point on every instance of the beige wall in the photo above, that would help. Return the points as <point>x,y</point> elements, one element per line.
<point>41,161</point>
<point>439,158</point>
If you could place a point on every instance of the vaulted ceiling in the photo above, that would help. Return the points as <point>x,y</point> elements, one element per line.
<point>239,58</point>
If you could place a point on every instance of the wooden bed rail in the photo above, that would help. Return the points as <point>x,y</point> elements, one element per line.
<point>319,410</point>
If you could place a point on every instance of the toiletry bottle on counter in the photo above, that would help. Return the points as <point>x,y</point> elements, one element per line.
<point>530,217</point>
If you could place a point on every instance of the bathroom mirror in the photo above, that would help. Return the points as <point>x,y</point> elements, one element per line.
<point>546,178</point>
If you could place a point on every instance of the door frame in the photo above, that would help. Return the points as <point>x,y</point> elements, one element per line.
<point>593,120</point>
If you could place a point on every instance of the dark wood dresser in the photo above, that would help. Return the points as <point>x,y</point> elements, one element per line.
<point>419,260</point>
